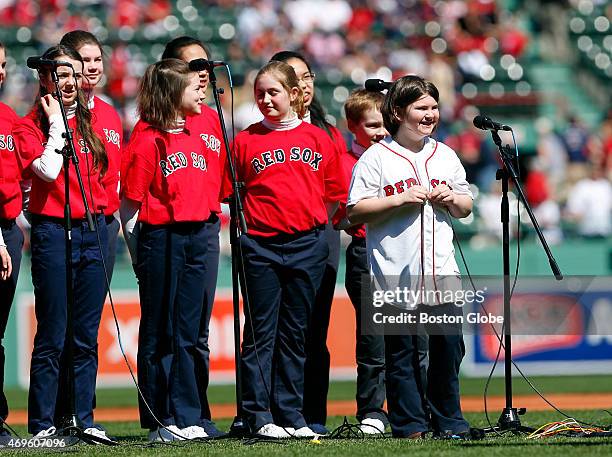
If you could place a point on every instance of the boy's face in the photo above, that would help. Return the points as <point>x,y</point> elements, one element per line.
<point>370,128</point>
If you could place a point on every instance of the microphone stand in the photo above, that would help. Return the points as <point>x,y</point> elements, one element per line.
<point>70,424</point>
<point>509,419</point>
<point>239,427</point>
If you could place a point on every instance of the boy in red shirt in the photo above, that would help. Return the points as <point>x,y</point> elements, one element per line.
<point>365,121</point>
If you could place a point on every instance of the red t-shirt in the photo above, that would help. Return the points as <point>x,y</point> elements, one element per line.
<point>107,125</point>
<point>348,161</point>
<point>207,126</point>
<point>288,177</point>
<point>168,174</point>
<point>10,192</point>
<point>338,140</point>
<point>47,198</point>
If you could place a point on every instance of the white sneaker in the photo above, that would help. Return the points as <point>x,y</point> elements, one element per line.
<point>303,432</point>
<point>193,432</point>
<point>48,432</point>
<point>166,434</point>
<point>372,426</point>
<point>272,431</point>
<point>100,435</point>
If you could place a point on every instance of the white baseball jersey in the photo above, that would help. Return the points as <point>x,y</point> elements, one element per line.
<point>416,241</point>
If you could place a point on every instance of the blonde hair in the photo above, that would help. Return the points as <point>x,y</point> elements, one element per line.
<point>285,74</point>
<point>161,91</point>
<point>360,101</point>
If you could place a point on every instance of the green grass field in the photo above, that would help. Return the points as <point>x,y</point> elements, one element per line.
<point>133,439</point>
<point>133,442</point>
<point>345,390</point>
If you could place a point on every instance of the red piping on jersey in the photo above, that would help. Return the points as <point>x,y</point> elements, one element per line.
<point>422,234</point>
<point>422,249</point>
<point>433,220</point>
<point>407,159</point>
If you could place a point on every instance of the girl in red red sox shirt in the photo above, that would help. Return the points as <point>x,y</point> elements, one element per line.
<point>37,138</point>
<point>316,371</point>
<point>107,125</point>
<point>288,170</point>
<point>166,201</point>
<point>207,126</point>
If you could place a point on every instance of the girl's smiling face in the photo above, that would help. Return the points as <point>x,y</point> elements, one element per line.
<point>192,96</point>
<point>418,120</point>
<point>93,66</point>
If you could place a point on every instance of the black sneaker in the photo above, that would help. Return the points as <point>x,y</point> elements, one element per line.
<point>210,428</point>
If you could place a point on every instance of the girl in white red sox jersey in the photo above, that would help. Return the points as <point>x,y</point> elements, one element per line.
<point>406,188</point>
<point>165,201</point>
<point>288,169</point>
<point>107,125</point>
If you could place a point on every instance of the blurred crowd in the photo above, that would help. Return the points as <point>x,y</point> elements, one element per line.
<point>451,42</point>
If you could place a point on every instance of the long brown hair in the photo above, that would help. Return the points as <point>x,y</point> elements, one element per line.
<point>83,115</point>
<point>161,91</point>
<point>285,74</point>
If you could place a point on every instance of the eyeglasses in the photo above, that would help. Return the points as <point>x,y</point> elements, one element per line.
<point>307,78</point>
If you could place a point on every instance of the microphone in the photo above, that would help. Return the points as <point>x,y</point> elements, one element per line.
<point>486,123</point>
<point>377,85</point>
<point>38,63</point>
<point>204,64</point>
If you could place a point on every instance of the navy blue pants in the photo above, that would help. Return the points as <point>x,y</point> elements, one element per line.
<point>171,269</point>
<point>316,370</point>
<point>282,278</point>
<point>202,352</point>
<point>112,227</point>
<point>369,348</point>
<point>13,237</point>
<point>405,397</point>
<point>48,277</point>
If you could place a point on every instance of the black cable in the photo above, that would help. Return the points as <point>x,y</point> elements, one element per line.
<point>117,327</point>
<point>499,348</point>
<point>246,302</point>
<point>4,423</point>
<point>347,430</point>
<point>262,439</point>
<point>500,339</point>
<point>516,274</point>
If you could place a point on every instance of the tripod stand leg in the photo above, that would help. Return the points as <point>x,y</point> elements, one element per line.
<point>509,421</point>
